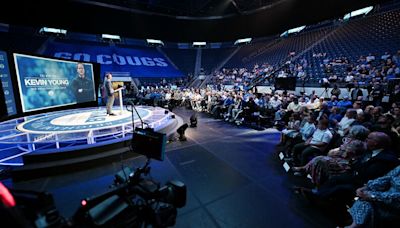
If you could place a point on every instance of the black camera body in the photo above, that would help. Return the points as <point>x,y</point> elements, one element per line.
<point>133,201</point>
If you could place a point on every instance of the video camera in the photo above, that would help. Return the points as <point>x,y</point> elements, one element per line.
<point>325,83</point>
<point>132,201</point>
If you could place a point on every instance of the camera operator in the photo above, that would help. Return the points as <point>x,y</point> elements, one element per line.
<point>395,94</point>
<point>335,91</point>
<point>356,92</point>
<point>376,94</point>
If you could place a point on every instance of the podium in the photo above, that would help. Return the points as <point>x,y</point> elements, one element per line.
<point>121,105</point>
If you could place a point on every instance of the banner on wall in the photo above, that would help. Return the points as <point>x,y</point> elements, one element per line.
<point>138,62</point>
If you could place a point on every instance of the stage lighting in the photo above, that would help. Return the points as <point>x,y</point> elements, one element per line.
<point>108,37</point>
<point>359,12</point>
<point>54,31</point>
<point>199,44</point>
<point>293,30</point>
<point>242,41</point>
<point>155,43</point>
<point>181,131</point>
<point>193,121</point>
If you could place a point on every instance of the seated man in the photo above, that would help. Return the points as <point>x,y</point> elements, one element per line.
<point>305,133</point>
<point>375,163</point>
<point>237,108</point>
<point>308,128</point>
<point>333,102</point>
<point>294,106</point>
<point>315,145</point>
<point>345,104</point>
<point>380,197</point>
<point>250,107</point>
<point>345,123</point>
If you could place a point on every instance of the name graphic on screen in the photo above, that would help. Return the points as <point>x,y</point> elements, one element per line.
<point>7,84</point>
<point>47,83</point>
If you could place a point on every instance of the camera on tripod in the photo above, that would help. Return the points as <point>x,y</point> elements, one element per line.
<point>325,83</point>
<point>135,200</point>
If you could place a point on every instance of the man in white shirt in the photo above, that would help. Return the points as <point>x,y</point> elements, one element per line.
<point>385,56</point>
<point>346,121</point>
<point>316,145</point>
<point>313,103</point>
<point>308,128</point>
<point>370,58</point>
<point>294,106</point>
<point>168,96</point>
<point>275,102</point>
<point>349,78</point>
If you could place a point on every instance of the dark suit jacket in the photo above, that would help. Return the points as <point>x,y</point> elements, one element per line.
<point>109,88</point>
<point>344,186</point>
<point>375,167</point>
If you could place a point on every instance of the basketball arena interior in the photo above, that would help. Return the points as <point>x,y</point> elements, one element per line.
<point>200,113</point>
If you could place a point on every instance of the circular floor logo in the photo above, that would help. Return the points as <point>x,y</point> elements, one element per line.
<point>79,121</point>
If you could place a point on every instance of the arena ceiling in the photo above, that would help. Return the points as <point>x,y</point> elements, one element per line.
<point>177,20</point>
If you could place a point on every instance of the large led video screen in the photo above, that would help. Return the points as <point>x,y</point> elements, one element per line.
<point>48,83</point>
<point>7,85</point>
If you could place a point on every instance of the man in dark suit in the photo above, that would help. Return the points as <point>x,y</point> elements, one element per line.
<point>82,86</point>
<point>356,92</point>
<point>110,94</point>
<point>378,161</point>
<point>375,163</point>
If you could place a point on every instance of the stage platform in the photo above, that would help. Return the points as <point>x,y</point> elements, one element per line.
<point>68,136</point>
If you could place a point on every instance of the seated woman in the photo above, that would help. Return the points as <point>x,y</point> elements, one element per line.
<point>380,198</point>
<point>357,132</point>
<point>338,160</point>
<point>321,168</point>
<point>305,132</point>
<point>292,129</point>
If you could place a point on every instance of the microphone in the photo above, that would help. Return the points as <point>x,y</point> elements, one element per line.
<point>130,106</point>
